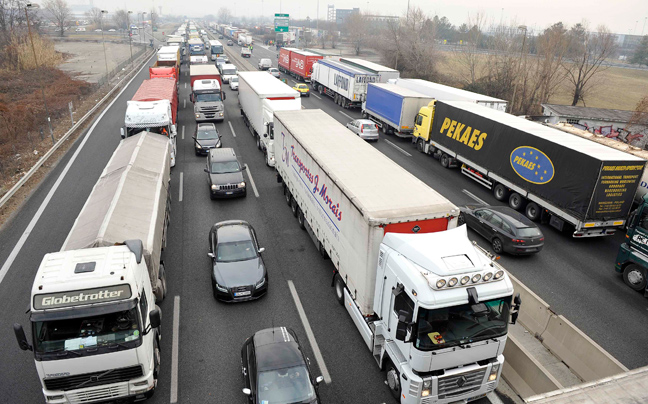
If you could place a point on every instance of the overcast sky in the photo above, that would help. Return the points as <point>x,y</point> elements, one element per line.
<point>621,16</point>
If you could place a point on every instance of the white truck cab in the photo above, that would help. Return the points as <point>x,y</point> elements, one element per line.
<point>151,116</point>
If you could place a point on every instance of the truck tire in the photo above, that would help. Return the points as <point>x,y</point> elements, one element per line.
<point>420,145</point>
<point>258,142</point>
<point>498,247</point>
<point>338,283</point>
<point>162,277</point>
<point>635,277</point>
<point>322,250</point>
<point>158,292</point>
<point>500,192</point>
<point>294,207</point>
<point>533,211</point>
<point>393,380</point>
<point>267,159</point>
<point>516,201</point>
<point>320,89</point>
<point>301,219</point>
<point>335,98</point>
<point>444,160</point>
<point>288,197</point>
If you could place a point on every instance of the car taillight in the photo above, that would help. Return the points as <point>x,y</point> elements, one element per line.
<point>376,127</point>
<point>515,240</point>
<point>362,130</point>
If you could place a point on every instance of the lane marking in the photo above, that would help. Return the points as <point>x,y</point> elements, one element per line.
<point>185,85</point>
<point>183,132</point>
<point>181,179</point>
<point>351,118</point>
<point>21,242</point>
<point>309,334</point>
<point>316,96</point>
<point>256,193</point>
<point>231,128</point>
<point>293,81</point>
<point>184,103</point>
<point>470,194</point>
<point>175,349</point>
<point>398,148</point>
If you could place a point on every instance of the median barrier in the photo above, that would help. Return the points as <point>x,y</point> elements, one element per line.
<point>534,312</point>
<point>526,376</point>
<point>578,351</point>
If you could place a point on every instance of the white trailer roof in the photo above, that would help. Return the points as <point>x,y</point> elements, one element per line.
<point>453,94</point>
<point>128,202</point>
<point>593,149</point>
<point>348,69</point>
<point>199,70</point>
<point>369,65</point>
<point>267,86</point>
<point>402,91</point>
<point>168,49</point>
<point>379,188</point>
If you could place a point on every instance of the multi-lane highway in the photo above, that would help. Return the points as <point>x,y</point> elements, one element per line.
<point>202,338</point>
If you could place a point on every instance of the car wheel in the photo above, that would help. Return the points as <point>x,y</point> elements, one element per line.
<point>461,219</point>
<point>197,154</point>
<point>339,288</point>
<point>498,247</point>
<point>288,197</point>
<point>500,192</point>
<point>420,145</point>
<point>533,211</point>
<point>300,219</point>
<point>516,201</point>
<point>445,160</point>
<point>294,207</point>
<point>635,277</point>
<point>393,380</point>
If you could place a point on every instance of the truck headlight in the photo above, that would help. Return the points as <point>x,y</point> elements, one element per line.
<point>215,187</point>
<point>197,115</point>
<point>493,373</point>
<point>427,388</point>
<point>221,114</point>
<point>241,185</point>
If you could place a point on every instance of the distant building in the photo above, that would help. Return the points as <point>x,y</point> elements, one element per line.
<point>342,14</point>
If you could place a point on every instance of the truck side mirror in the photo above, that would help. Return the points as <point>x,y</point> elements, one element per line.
<point>123,134</point>
<point>515,312</point>
<point>154,318</point>
<point>21,338</point>
<point>224,96</point>
<point>191,97</point>
<point>404,327</point>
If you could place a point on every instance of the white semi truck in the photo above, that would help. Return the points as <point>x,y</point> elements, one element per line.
<point>432,307</point>
<point>260,95</point>
<point>94,314</point>
<point>346,84</point>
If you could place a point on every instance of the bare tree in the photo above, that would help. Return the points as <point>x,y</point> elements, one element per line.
<point>588,51</point>
<point>357,29</point>
<point>638,123</point>
<point>94,16</point>
<point>59,13</point>
<point>467,54</point>
<point>552,46</point>
<point>224,15</point>
<point>121,19</point>
<point>389,42</point>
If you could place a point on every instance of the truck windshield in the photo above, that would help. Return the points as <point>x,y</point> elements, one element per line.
<point>217,49</point>
<point>229,72</point>
<point>450,326</point>
<point>208,97</point>
<point>74,334</point>
<point>160,130</point>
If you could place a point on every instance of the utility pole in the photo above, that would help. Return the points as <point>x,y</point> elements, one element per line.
<point>524,28</point>
<point>103,40</point>
<point>644,26</point>
<point>130,34</point>
<point>40,79</point>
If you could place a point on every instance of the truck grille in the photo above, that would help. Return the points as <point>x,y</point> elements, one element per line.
<point>100,394</point>
<point>208,109</point>
<point>93,379</point>
<point>461,383</point>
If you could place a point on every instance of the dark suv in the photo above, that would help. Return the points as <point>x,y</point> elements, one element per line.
<point>225,174</point>
<point>206,138</point>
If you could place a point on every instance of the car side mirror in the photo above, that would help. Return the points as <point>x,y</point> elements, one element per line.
<point>210,255</point>
<point>21,338</point>
<point>262,249</point>
<point>247,392</point>
<point>206,170</point>
<point>154,318</point>
<point>123,133</point>
<point>244,167</point>
<point>319,380</point>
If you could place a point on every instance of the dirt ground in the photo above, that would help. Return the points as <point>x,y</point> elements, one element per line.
<point>87,60</point>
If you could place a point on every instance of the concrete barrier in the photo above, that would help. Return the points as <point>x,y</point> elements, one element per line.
<point>585,357</point>
<point>523,373</point>
<point>534,312</point>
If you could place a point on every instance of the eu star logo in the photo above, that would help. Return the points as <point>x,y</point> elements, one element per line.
<point>532,165</point>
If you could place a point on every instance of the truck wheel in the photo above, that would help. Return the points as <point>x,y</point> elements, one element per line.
<point>294,207</point>
<point>300,219</point>
<point>162,276</point>
<point>267,159</point>
<point>516,201</point>
<point>258,142</point>
<point>498,247</point>
<point>445,160</point>
<point>322,250</point>
<point>335,98</point>
<point>158,292</point>
<point>288,197</point>
<point>533,211</point>
<point>339,288</point>
<point>635,277</point>
<point>420,145</point>
<point>320,89</point>
<point>393,380</point>
<point>500,192</point>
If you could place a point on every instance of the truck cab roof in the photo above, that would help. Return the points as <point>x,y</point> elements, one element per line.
<point>148,113</point>
<point>209,84</point>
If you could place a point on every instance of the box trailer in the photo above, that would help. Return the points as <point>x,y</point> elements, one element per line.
<point>384,73</point>
<point>301,64</point>
<point>537,169</point>
<point>284,59</point>
<point>204,72</point>
<point>393,108</point>
<point>163,72</point>
<point>403,271</point>
<point>346,84</point>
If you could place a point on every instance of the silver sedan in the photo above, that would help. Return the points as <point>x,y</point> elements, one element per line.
<point>365,128</point>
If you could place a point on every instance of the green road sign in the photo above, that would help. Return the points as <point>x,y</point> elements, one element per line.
<point>281,22</point>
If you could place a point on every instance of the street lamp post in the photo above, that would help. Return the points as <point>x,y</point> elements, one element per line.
<point>523,28</point>
<point>103,39</point>
<point>130,35</point>
<point>40,79</point>
<point>143,28</point>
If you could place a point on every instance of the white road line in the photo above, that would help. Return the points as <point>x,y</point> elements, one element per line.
<point>470,194</point>
<point>398,148</point>
<point>316,96</point>
<point>21,242</point>
<point>346,115</point>
<point>256,193</point>
<point>181,180</point>
<point>309,333</point>
<point>232,129</point>
<point>293,81</point>
<point>185,85</point>
<point>184,103</point>
<point>492,397</point>
<point>182,132</point>
<point>175,349</point>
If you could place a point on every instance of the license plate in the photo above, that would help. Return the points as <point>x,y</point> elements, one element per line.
<point>239,294</point>
<point>477,397</point>
<point>229,193</point>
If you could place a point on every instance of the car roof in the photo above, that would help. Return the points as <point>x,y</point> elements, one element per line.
<point>224,154</point>
<point>277,348</point>
<point>366,121</point>
<point>206,126</point>
<point>514,217</point>
<point>232,230</point>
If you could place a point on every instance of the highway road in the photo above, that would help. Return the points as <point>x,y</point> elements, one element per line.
<point>575,276</point>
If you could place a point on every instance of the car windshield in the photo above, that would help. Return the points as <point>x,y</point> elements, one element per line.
<point>207,134</point>
<point>528,232</point>
<point>208,97</point>
<point>228,72</point>
<point>285,386</point>
<point>224,167</point>
<point>234,80</point>
<point>368,126</point>
<point>74,334</point>
<point>235,251</point>
<point>450,326</point>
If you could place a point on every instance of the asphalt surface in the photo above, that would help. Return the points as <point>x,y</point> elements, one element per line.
<point>575,276</point>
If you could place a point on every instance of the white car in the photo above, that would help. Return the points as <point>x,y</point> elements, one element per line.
<point>233,83</point>
<point>213,56</point>
<point>112,30</point>
<point>275,72</point>
<point>97,30</point>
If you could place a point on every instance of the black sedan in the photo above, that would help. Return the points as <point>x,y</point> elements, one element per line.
<point>508,230</point>
<point>276,370</point>
<point>238,272</point>
<point>205,138</point>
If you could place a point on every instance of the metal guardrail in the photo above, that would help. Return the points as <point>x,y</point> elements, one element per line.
<point>6,197</point>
